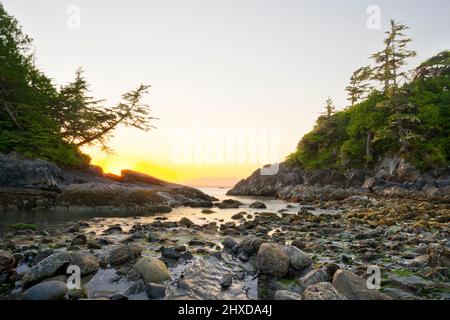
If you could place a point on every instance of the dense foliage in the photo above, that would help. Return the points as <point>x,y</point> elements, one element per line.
<point>411,119</point>
<point>37,119</point>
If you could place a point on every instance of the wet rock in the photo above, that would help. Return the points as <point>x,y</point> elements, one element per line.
<point>155,291</point>
<point>272,260</point>
<point>229,204</point>
<point>299,244</point>
<point>39,256</point>
<point>152,270</point>
<point>199,204</point>
<point>113,230</point>
<point>286,295</point>
<point>124,254</point>
<point>7,261</point>
<point>86,262</point>
<point>77,294</point>
<point>258,205</point>
<point>185,222</point>
<point>297,258</point>
<point>322,291</point>
<point>323,274</point>
<point>251,245</point>
<point>137,287</point>
<point>355,288</point>
<point>79,240</point>
<point>47,267</point>
<point>208,211</point>
<point>48,290</point>
<point>226,281</point>
<point>237,216</point>
<point>229,243</point>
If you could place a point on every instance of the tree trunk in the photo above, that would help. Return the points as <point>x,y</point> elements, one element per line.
<point>369,156</point>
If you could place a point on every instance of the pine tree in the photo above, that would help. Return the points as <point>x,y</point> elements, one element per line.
<point>359,85</point>
<point>392,58</point>
<point>329,108</point>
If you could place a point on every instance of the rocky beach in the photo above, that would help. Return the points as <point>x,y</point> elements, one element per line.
<point>209,245</point>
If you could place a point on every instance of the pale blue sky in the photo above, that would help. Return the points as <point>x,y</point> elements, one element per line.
<point>246,63</point>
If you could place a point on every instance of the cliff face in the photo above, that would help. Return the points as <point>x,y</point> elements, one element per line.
<point>37,184</point>
<point>394,177</point>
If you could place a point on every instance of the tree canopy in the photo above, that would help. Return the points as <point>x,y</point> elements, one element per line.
<point>38,119</point>
<point>409,118</point>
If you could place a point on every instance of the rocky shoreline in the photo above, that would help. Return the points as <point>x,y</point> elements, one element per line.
<point>30,184</point>
<point>394,177</point>
<point>292,254</point>
<point>318,248</point>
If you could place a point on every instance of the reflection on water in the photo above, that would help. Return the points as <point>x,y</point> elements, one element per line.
<point>48,218</point>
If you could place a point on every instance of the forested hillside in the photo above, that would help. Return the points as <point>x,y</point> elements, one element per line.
<point>391,112</point>
<point>39,119</point>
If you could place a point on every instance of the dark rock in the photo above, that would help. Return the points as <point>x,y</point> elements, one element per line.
<point>156,291</point>
<point>226,281</point>
<point>7,261</point>
<point>229,204</point>
<point>185,222</point>
<point>229,243</point>
<point>251,245</point>
<point>124,254</point>
<point>258,205</point>
<point>237,216</point>
<point>112,230</point>
<point>170,253</point>
<point>48,290</point>
<point>79,240</point>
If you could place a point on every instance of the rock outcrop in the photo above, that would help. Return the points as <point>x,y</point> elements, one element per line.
<point>393,177</point>
<point>38,184</point>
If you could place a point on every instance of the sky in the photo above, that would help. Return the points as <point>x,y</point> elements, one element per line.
<point>234,84</point>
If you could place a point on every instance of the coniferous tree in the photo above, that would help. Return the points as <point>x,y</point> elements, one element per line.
<point>392,58</point>
<point>329,108</point>
<point>359,85</point>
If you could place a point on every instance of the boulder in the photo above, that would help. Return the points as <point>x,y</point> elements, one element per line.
<point>7,261</point>
<point>258,205</point>
<point>323,274</point>
<point>86,262</point>
<point>48,290</point>
<point>272,260</point>
<point>47,267</point>
<point>124,254</point>
<point>298,260</point>
<point>237,216</point>
<point>226,281</point>
<point>251,245</point>
<point>229,243</point>
<point>229,204</point>
<point>152,270</point>
<point>79,240</point>
<point>185,222</point>
<point>355,288</point>
<point>155,291</point>
<point>322,291</point>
